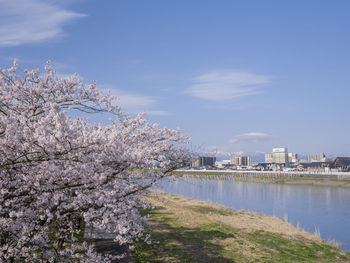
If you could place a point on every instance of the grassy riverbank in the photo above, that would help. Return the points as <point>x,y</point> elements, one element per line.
<point>318,181</point>
<point>184,230</point>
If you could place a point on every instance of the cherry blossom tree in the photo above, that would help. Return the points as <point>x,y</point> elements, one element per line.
<point>57,171</point>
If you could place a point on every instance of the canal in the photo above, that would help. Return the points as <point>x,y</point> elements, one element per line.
<point>311,207</point>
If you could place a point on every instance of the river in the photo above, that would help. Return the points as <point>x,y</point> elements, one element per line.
<point>312,207</point>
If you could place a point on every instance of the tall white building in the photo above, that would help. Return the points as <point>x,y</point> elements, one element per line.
<point>278,155</point>
<point>279,150</point>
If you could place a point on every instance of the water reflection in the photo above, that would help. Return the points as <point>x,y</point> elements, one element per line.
<point>327,208</point>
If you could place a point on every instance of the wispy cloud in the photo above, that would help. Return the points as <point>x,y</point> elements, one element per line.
<point>250,137</point>
<point>158,112</point>
<point>135,103</point>
<point>32,21</point>
<point>226,85</point>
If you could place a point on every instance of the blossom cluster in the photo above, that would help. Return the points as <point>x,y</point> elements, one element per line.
<point>59,172</point>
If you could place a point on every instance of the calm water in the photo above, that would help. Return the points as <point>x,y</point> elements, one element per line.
<point>325,208</point>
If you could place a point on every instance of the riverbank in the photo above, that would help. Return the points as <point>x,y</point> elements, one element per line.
<point>185,230</point>
<point>317,181</point>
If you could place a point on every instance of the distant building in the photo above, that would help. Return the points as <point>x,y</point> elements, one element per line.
<point>280,158</point>
<point>241,161</point>
<point>279,150</point>
<point>343,163</point>
<point>204,161</point>
<point>262,166</point>
<point>269,158</point>
<point>278,155</point>
<point>223,163</point>
<point>318,166</point>
<point>321,157</point>
<point>292,157</point>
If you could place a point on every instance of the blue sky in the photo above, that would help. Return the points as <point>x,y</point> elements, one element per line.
<point>234,75</point>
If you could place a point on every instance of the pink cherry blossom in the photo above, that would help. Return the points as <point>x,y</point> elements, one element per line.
<point>57,172</point>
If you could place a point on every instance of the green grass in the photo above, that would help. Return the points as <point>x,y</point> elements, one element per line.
<point>176,238</point>
<point>263,178</point>
<point>206,210</point>
<point>175,243</point>
<point>286,250</point>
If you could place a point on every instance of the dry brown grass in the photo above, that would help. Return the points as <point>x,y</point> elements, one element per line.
<point>194,231</point>
<point>203,212</point>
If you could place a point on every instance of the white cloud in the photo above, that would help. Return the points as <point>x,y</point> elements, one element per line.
<point>134,103</point>
<point>226,85</point>
<point>250,137</point>
<point>31,21</point>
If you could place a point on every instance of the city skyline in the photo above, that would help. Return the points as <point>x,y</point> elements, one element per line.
<point>236,76</point>
<point>261,156</point>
